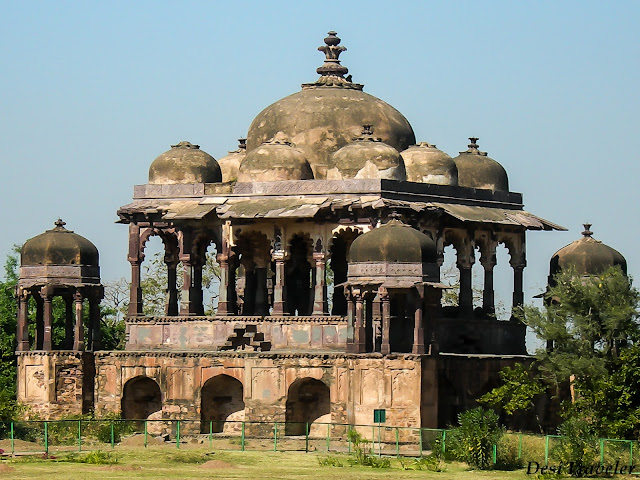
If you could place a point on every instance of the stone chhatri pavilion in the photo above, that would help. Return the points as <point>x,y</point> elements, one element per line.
<point>329,178</point>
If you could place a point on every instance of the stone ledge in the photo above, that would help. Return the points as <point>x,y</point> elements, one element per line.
<point>290,319</point>
<point>234,354</point>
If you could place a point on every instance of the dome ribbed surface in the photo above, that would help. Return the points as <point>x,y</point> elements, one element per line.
<point>184,163</point>
<point>587,256</point>
<point>393,242</point>
<point>59,246</point>
<point>477,170</point>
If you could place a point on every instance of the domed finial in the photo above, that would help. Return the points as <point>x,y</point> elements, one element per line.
<point>242,143</point>
<point>186,145</point>
<point>367,129</point>
<point>474,147</point>
<point>59,223</point>
<point>587,230</point>
<point>367,134</point>
<point>395,216</point>
<point>332,50</point>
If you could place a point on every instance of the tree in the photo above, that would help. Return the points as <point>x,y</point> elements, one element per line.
<point>8,319</point>
<point>586,322</point>
<point>517,392</point>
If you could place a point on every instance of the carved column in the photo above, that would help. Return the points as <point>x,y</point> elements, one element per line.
<point>135,258</point>
<point>465,260</point>
<point>418,328</point>
<point>279,290</point>
<point>432,299</point>
<point>22,336</point>
<point>351,319</point>
<point>518,291</point>
<point>68,321</point>
<point>78,341</point>
<point>191,297</point>
<point>320,304</point>
<point>94,320</point>
<point>376,306</point>
<point>47,295</point>
<point>171,306</point>
<point>385,347</point>
<point>488,262</point>
<point>227,286</point>
<point>39,321</point>
<point>359,330</point>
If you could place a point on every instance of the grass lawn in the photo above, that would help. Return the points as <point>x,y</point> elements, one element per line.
<point>158,463</point>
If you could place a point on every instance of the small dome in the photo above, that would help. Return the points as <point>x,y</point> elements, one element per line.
<point>58,246</point>
<point>393,242</point>
<point>328,113</point>
<point>587,256</point>
<point>184,163</point>
<point>366,157</point>
<point>426,164</point>
<point>230,164</point>
<point>477,170</point>
<point>275,160</point>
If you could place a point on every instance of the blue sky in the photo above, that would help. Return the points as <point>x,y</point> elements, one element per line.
<point>92,92</point>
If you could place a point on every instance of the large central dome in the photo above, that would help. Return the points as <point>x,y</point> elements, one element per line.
<point>327,114</point>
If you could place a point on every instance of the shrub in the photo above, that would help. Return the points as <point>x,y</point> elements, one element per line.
<point>361,452</point>
<point>330,461</point>
<point>473,441</point>
<point>578,442</point>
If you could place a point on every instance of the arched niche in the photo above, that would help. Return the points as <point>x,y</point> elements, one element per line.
<point>141,397</point>
<point>222,400</point>
<point>308,399</point>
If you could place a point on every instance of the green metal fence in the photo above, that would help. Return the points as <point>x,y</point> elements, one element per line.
<point>51,437</point>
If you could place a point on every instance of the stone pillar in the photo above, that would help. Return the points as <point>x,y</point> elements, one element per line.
<point>171,306</point>
<point>68,321</point>
<point>518,291</point>
<point>47,297</point>
<point>78,342</point>
<point>464,261</point>
<point>135,258</point>
<point>196,293</point>
<point>359,330</point>
<point>418,328</point>
<point>39,321</point>
<point>94,321</point>
<point>351,319</point>
<point>227,285</point>
<point>279,290</point>
<point>320,304</point>
<point>22,336</point>
<point>432,299</point>
<point>385,347</point>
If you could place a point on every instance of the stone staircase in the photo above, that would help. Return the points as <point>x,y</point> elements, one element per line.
<point>246,337</point>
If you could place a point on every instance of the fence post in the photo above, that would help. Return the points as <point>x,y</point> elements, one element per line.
<point>630,452</point>
<point>242,438</point>
<point>520,446</point>
<point>145,434</point>
<point>444,437</point>
<point>495,454</point>
<point>178,434</point>
<point>546,449</point>
<point>79,435</point>
<point>12,442</point>
<point>46,438</point>
<point>113,437</point>
<point>328,436</point>
<point>602,451</point>
<point>275,437</point>
<point>211,433</point>
<point>306,437</point>
<point>420,440</point>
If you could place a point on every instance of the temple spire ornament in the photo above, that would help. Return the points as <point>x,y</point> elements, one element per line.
<point>587,230</point>
<point>332,74</point>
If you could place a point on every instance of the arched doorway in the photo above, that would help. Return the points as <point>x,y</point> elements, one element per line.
<point>307,400</point>
<point>140,398</point>
<point>222,400</point>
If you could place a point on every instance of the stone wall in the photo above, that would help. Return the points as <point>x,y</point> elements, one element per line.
<point>357,384</point>
<point>55,384</point>
<point>211,333</point>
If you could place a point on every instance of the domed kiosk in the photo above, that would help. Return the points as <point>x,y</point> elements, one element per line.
<point>586,256</point>
<point>393,267</point>
<point>61,263</point>
<point>56,373</point>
